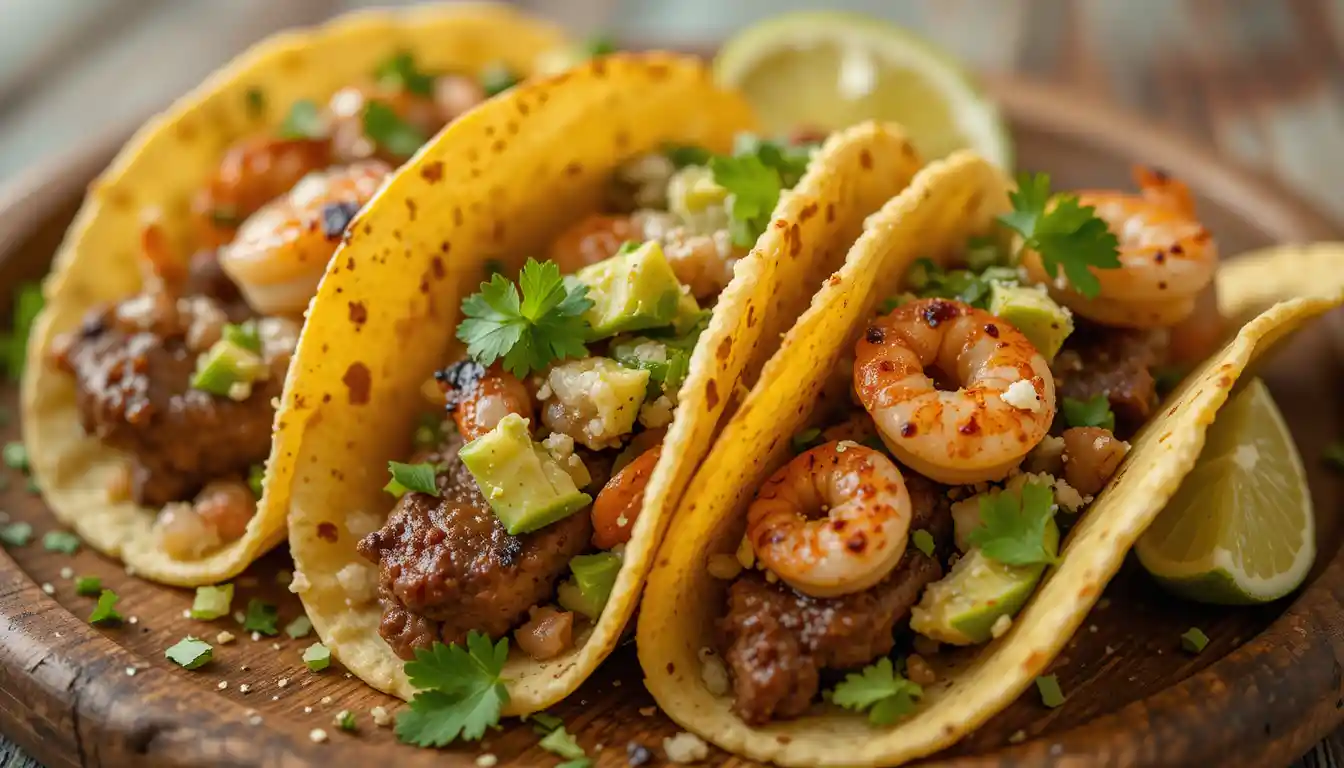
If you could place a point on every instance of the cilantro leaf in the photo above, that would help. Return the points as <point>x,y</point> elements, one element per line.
<point>1065,234</point>
<point>880,689</point>
<point>15,456</point>
<point>386,129</point>
<point>190,653</point>
<point>754,188</point>
<point>598,45</point>
<point>303,121</point>
<point>927,280</point>
<point>466,692</point>
<point>561,743</point>
<point>1013,525</point>
<point>261,617</point>
<point>1093,412</point>
<point>16,534</point>
<point>806,440</point>
<point>547,324</point>
<point>256,476</point>
<point>28,303</point>
<point>61,541</point>
<point>106,610</point>
<point>399,73</point>
<point>411,477</point>
<point>88,586</point>
<point>683,155</point>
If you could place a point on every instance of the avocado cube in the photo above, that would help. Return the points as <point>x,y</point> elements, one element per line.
<point>631,291</point>
<point>1030,310</point>
<point>226,364</point>
<point>589,588</point>
<point>525,486</point>
<point>667,365</point>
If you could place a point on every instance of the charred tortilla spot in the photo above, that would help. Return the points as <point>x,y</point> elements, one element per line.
<point>712,393</point>
<point>751,316</point>
<point>866,160</point>
<point>326,397</point>
<point>808,212</point>
<point>358,313</point>
<point>795,242</point>
<point>436,264</point>
<point>725,349</point>
<point>432,172</point>
<point>358,381</point>
<point>830,212</point>
<point>327,532</point>
<point>410,209</point>
<point>573,168</point>
<point>457,216</point>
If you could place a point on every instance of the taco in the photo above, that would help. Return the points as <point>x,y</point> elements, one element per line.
<point>147,398</point>
<point>885,515</point>
<point>666,252</point>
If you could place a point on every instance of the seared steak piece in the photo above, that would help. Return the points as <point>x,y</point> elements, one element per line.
<point>133,364</point>
<point>1111,362</point>
<point>449,562</point>
<point>776,640</point>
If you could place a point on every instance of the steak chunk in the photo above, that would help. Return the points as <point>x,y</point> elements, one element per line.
<point>1112,362</point>
<point>447,563</point>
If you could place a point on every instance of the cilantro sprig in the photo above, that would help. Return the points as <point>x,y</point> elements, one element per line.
<point>881,690</point>
<point>547,324</point>
<point>411,477</point>
<point>755,175</point>
<point>462,692</point>
<point>1012,529</point>
<point>1066,234</point>
<point>399,72</point>
<point>1093,412</point>
<point>386,129</point>
<point>261,617</point>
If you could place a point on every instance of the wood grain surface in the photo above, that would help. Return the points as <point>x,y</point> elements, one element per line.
<point>1259,82</point>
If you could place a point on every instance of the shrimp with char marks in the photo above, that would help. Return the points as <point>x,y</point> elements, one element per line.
<point>253,172</point>
<point>282,250</point>
<point>969,435</point>
<point>479,397</point>
<point>1167,257</point>
<point>863,531</point>
<point>618,504</point>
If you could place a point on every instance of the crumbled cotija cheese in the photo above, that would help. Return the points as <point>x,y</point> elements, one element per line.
<point>685,748</point>
<point>1000,626</point>
<point>1022,395</point>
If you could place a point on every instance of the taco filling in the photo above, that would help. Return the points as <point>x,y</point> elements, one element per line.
<point>974,422</point>
<point>183,376</point>
<point>515,510</point>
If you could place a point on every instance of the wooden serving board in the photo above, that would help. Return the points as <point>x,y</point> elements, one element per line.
<point>1270,683</point>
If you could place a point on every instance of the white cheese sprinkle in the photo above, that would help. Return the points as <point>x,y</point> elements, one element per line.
<point>486,760</point>
<point>317,736</point>
<point>48,589</point>
<point>223,684</point>
<point>130,671</point>
<point>282,682</point>
<point>380,717</point>
<point>685,748</point>
<point>67,572</point>
<point>1000,626</point>
<point>1022,396</point>
<point>224,637</point>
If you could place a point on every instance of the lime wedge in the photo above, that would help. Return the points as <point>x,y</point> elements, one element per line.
<point>1240,529</point>
<point>829,70</point>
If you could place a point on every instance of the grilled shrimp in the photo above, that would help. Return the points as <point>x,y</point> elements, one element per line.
<point>593,239</point>
<point>480,397</point>
<point>253,172</point>
<point>1002,409</point>
<point>1166,257</point>
<point>861,534</point>
<point>452,95</point>
<point>618,504</point>
<point>282,250</point>
<point>218,516</point>
<point>701,260</point>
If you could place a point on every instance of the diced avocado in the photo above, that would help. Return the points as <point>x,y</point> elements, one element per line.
<point>589,588</point>
<point>962,607</point>
<point>525,486</point>
<point>631,291</point>
<point>690,320</point>
<point>225,365</point>
<point>667,365</point>
<point>697,200</point>
<point>1032,311</point>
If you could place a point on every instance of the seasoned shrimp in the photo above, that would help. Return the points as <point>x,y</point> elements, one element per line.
<point>701,260</point>
<point>593,239</point>
<point>1166,257</point>
<point>452,95</point>
<point>480,397</point>
<point>860,537</point>
<point>218,516</point>
<point>282,250</point>
<point>979,432</point>
<point>618,504</point>
<point>253,172</point>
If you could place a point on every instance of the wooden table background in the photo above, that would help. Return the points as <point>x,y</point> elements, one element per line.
<point>1262,81</point>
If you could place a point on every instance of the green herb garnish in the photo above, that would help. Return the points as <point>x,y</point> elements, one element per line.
<point>411,477</point>
<point>683,155</point>
<point>16,534</point>
<point>88,586</point>
<point>1065,234</point>
<point>386,129</point>
<point>923,541</point>
<point>880,689</point>
<point>317,657</point>
<point>1051,694</point>
<point>1094,412</point>
<point>462,692</point>
<point>545,326</point>
<point>27,304</point>
<point>345,720</point>
<point>544,722</point>
<point>304,121</point>
<point>1194,640</point>
<point>561,743</point>
<point>255,99</point>
<point>212,602</point>
<point>261,617</point>
<point>61,541</point>
<point>256,476</point>
<point>428,431</point>
<point>190,653</point>
<point>1013,525</point>
<point>1334,455</point>
<point>106,610</point>
<point>496,78</point>
<point>399,73</point>
<point>806,440</point>
<point>755,175</point>
<point>244,334</point>
<point>16,456</point>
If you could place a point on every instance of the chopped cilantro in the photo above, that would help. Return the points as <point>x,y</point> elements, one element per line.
<point>88,586</point>
<point>32,487</point>
<point>923,541</point>
<point>255,99</point>
<point>598,45</point>
<point>299,627</point>
<point>429,430</point>
<point>16,456</point>
<point>27,304</point>
<point>190,653</point>
<point>893,302</point>
<point>879,688</point>
<point>16,534</point>
<point>256,477</point>
<point>1194,640</point>
<point>927,280</point>
<point>304,121</point>
<point>462,692</point>
<point>345,720</point>
<point>789,160</point>
<point>411,477</point>
<point>399,73</point>
<point>581,762</point>
<point>61,541</point>
<point>806,440</point>
<point>561,743</point>
<point>544,722</point>
<point>106,610</point>
<point>1334,455</point>
<point>244,334</point>
<point>496,78</point>
<point>1166,377</point>
<point>983,253</point>
<point>755,175</point>
<point>1051,695</point>
<point>1094,412</point>
<point>386,129</point>
<point>212,602</point>
<point>1013,525</point>
<point>261,617</point>
<point>1065,234</point>
<point>317,657</point>
<point>545,326</point>
<point>683,155</point>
